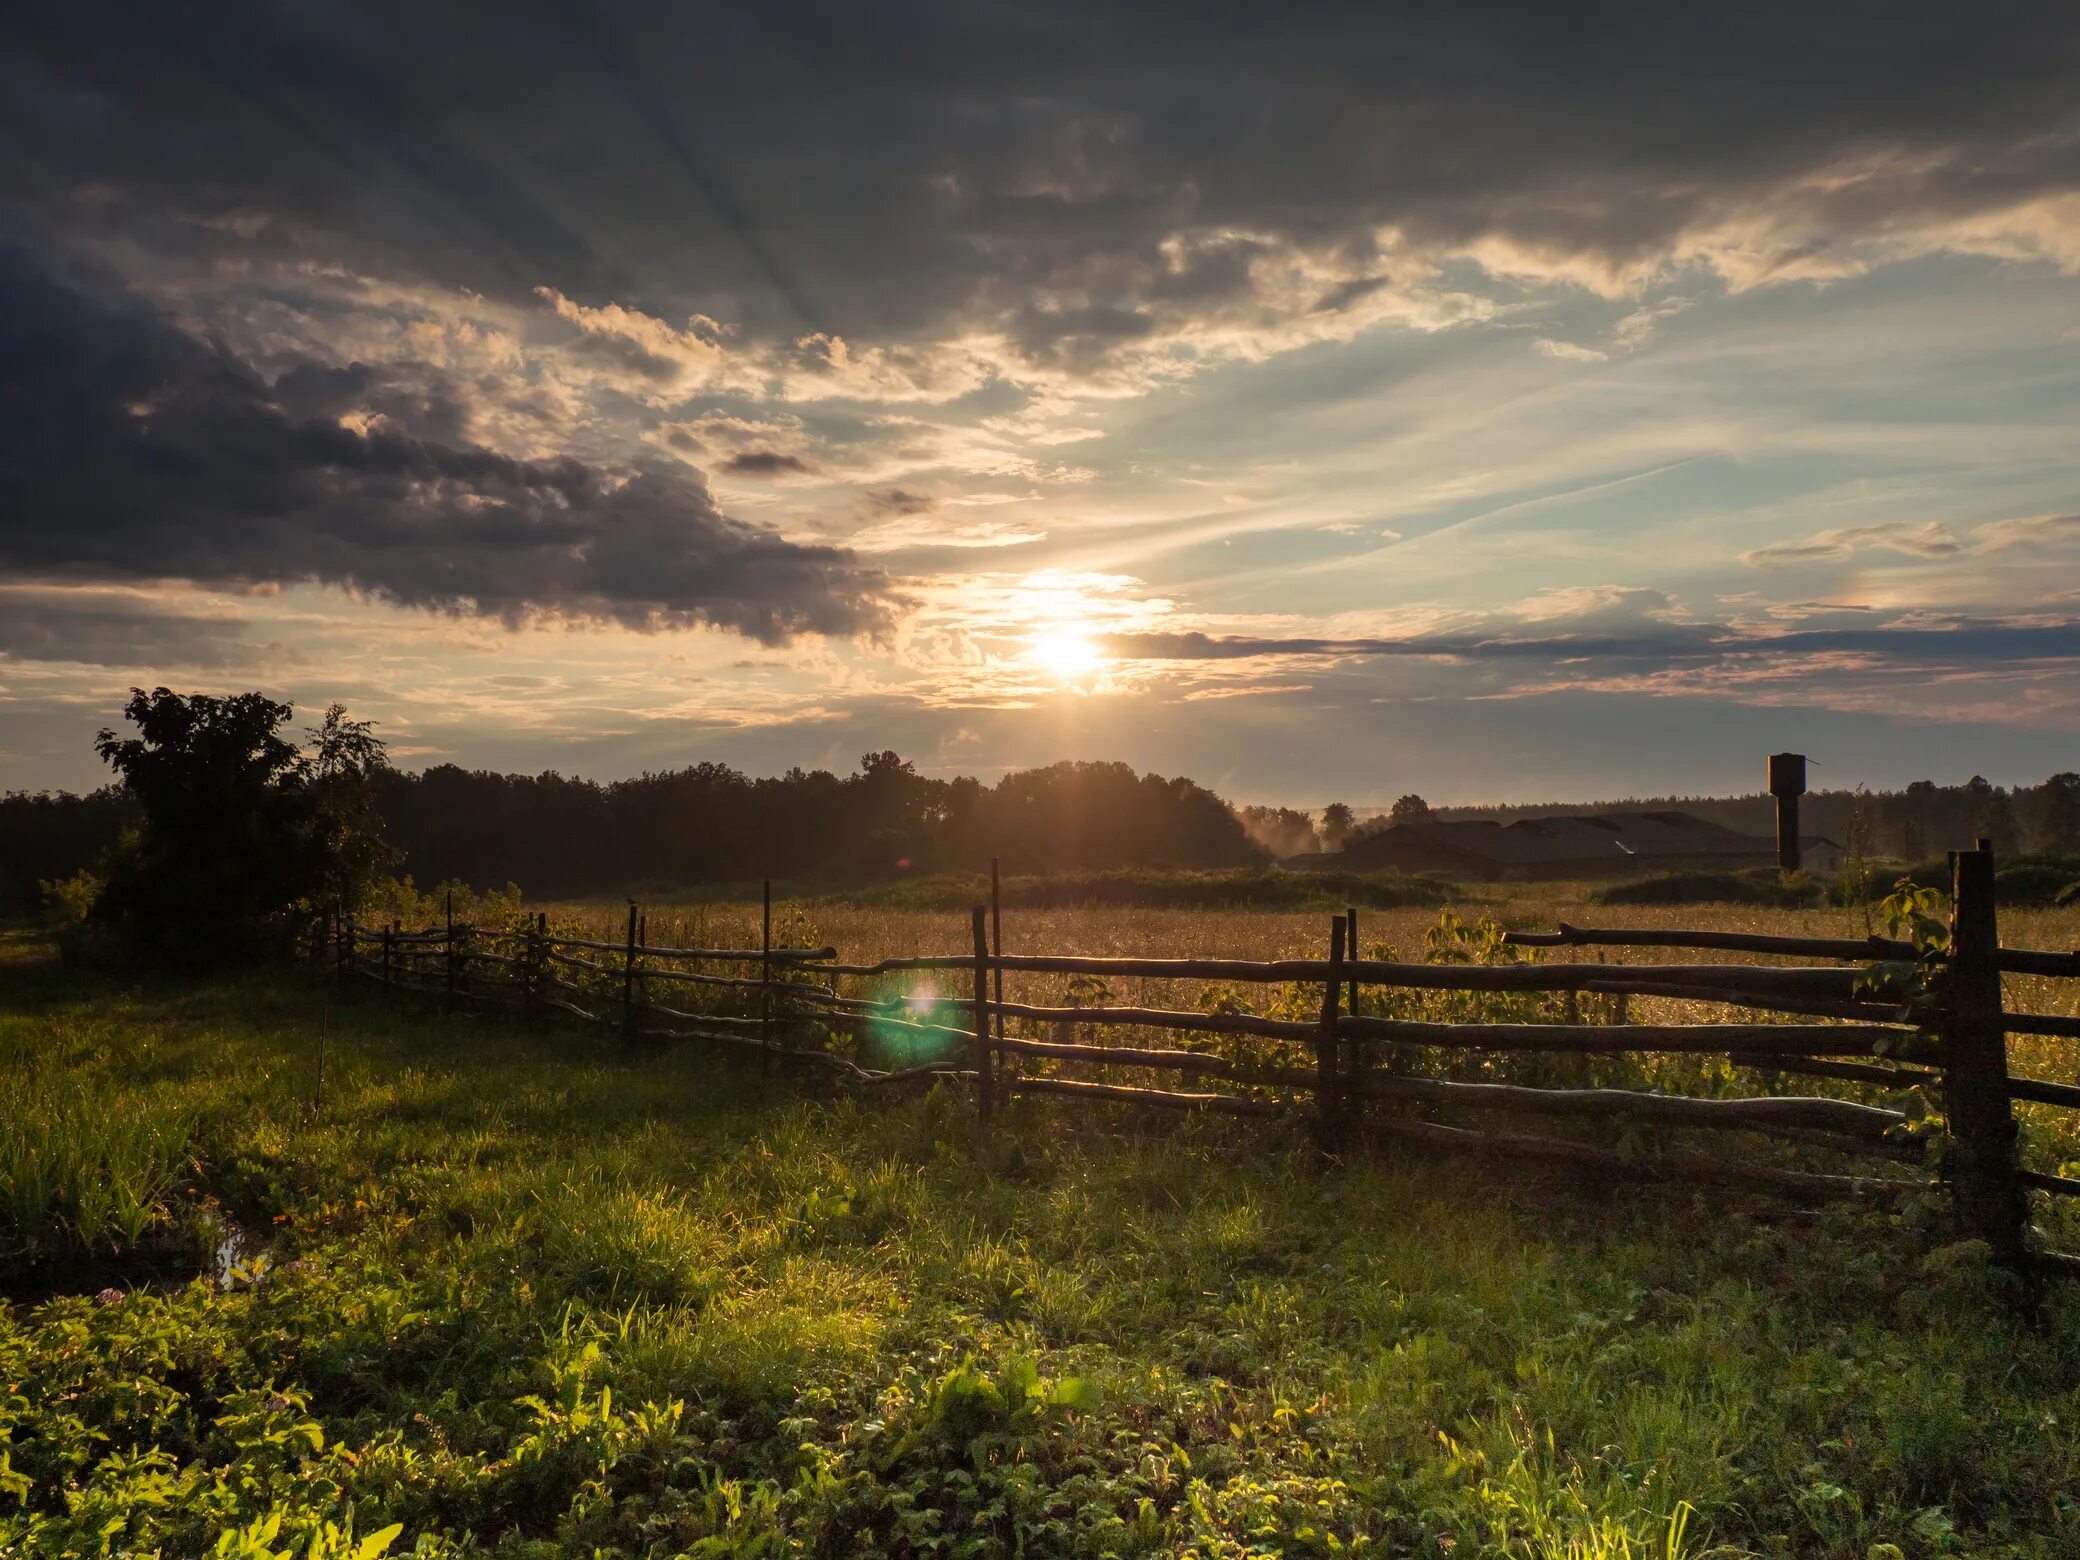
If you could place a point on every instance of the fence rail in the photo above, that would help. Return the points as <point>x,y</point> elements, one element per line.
<point>1353,1073</point>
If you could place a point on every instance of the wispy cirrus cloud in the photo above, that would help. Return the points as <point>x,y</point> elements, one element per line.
<point>1920,539</point>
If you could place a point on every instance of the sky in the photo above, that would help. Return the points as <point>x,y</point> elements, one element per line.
<point>1493,401</point>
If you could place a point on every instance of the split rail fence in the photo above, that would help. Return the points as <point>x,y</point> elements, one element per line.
<point>1351,1074</point>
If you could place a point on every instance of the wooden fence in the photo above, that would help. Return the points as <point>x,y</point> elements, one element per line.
<point>1935,1021</point>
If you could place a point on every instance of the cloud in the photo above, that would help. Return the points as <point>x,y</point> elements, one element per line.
<point>2026,531</point>
<point>765,463</point>
<point>1953,637</point>
<point>131,450</point>
<point>1599,604</point>
<point>1928,539</point>
<point>1569,351</point>
<point>903,210</point>
<point>118,628</point>
<point>663,356</point>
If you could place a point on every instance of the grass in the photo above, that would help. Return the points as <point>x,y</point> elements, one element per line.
<point>1258,889</point>
<point>524,1293</point>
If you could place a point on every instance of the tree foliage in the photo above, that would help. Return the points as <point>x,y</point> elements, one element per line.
<point>239,833</point>
<point>1338,823</point>
<point>1409,809</point>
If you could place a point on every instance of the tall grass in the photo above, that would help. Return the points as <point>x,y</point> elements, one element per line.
<point>84,1166</point>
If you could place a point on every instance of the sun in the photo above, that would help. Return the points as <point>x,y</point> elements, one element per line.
<point>1066,653</point>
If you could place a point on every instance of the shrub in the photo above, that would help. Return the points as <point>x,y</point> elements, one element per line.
<point>2027,880</point>
<point>2031,883</point>
<point>67,902</point>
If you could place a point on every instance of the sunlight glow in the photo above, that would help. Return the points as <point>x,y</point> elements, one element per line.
<point>1066,653</point>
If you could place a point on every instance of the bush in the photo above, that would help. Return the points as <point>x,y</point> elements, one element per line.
<point>2030,880</point>
<point>2032,884</point>
<point>1754,886</point>
<point>67,902</point>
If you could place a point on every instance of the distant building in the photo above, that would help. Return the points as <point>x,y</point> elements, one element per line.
<point>1592,845</point>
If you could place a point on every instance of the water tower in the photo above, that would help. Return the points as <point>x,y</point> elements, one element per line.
<point>1787,783</point>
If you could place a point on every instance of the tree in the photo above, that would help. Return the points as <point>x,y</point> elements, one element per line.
<point>235,845</point>
<point>2057,815</point>
<point>347,760</point>
<point>1284,831</point>
<point>1409,809</point>
<point>1337,822</point>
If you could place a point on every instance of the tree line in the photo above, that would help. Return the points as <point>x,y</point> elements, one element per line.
<point>709,823</point>
<point>215,797</point>
<point>1914,823</point>
<point>219,811</point>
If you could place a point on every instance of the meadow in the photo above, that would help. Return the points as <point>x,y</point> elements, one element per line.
<point>290,1271</point>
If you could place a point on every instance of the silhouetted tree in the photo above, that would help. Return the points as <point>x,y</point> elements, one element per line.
<point>1337,822</point>
<point>1409,809</point>
<point>2055,815</point>
<point>345,759</point>
<point>230,841</point>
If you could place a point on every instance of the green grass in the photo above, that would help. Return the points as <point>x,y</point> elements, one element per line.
<point>527,1294</point>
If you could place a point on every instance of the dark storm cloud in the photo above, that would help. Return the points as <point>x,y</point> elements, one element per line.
<point>883,170</point>
<point>1962,639</point>
<point>130,450</point>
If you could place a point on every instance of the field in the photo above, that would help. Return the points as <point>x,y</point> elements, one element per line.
<point>287,1270</point>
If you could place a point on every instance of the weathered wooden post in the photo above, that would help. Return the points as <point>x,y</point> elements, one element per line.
<point>1981,1166</point>
<point>537,970</point>
<point>628,978</point>
<point>386,958</point>
<point>448,1000</point>
<point>1354,1054</point>
<point>983,1051</point>
<point>1787,783</point>
<point>530,957</point>
<point>1328,1093</point>
<point>1350,944</point>
<point>996,942</point>
<point>765,979</point>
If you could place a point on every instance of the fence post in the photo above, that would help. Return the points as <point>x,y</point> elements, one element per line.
<point>1350,946</point>
<point>996,940</point>
<point>1328,1092</point>
<point>449,999</point>
<point>984,1051</point>
<point>1353,1055</point>
<point>537,957</point>
<point>527,960</point>
<point>386,958</point>
<point>1984,1187</point>
<point>765,977</point>
<point>628,978</point>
